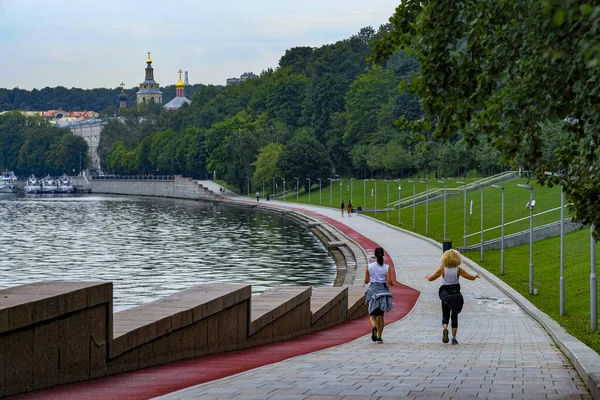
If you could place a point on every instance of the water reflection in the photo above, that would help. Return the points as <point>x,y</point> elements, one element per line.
<point>151,248</point>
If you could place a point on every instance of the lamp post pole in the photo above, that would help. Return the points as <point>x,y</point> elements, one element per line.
<point>365,195</point>
<point>341,183</point>
<point>273,178</point>
<point>351,189</point>
<point>387,204</point>
<point>502,240</point>
<point>481,226</point>
<point>464,212</point>
<point>399,198</point>
<point>530,206</point>
<point>445,186</point>
<point>330,189</point>
<point>426,182</point>
<point>562,245</point>
<point>263,192</point>
<point>319,179</point>
<point>296,189</point>
<point>413,207</point>
<point>308,179</point>
<point>375,199</point>
<point>283,179</point>
<point>248,179</point>
<point>593,286</point>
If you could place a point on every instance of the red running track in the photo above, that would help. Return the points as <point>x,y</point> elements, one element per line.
<point>163,379</point>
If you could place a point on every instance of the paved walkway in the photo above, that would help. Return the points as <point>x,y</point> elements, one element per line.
<point>503,352</point>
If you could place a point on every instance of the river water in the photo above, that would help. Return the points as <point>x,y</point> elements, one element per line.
<point>150,248</point>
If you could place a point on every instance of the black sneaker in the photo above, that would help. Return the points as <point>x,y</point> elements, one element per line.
<point>379,340</point>
<point>454,341</point>
<point>374,334</point>
<point>445,336</point>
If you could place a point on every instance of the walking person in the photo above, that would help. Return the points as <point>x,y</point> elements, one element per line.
<point>379,299</point>
<point>449,292</point>
<point>257,196</point>
<point>349,208</point>
<point>342,206</point>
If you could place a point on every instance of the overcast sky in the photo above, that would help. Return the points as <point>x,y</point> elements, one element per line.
<point>103,43</point>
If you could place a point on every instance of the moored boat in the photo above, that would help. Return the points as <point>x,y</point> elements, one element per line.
<point>33,185</point>
<point>64,185</point>
<point>49,185</point>
<point>8,182</point>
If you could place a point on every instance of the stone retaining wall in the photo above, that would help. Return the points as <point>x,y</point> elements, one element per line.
<point>179,187</point>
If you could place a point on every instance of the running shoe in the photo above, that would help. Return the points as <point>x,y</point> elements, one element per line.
<point>445,336</point>
<point>454,341</point>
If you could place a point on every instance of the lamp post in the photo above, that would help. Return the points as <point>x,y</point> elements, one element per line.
<point>445,186</point>
<point>330,190</point>
<point>399,198</point>
<point>308,179</point>
<point>593,287</point>
<point>425,181</point>
<point>248,179</point>
<point>319,179</point>
<point>413,207</point>
<point>351,189</point>
<point>375,199</point>
<point>341,182</point>
<point>387,204</point>
<point>296,189</point>
<point>530,205</point>
<point>274,193</point>
<point>465,212</point>
<point>283,179</point>
<point>562,245</point>
<point>502,240</point>
<point>365,194</point>
<point>481,230</point>
<point>263,192</point>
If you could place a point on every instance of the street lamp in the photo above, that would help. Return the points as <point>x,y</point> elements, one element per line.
<point>351,189</point>
<point>319,179</point>
<point>296,189</point>
<point>341,182</point>
<point>425,181</point>
<point>530,205</point>
<point>399,198</point>
<point>283,179</point>
<point>274,192</point>
<point>263,192</point>
<point>562,245</point>
<point>445,186</point>
<point>481,225</point>
<point>248,179</point>
<point>375,190</point>
<point>308,179</point>
<point>465,212</point>
<point>387,205</point>
<point>413,207</point>
<point>365,194</point>
<point>593,287</point>
<point>330,189</point>
<point>502,240</point>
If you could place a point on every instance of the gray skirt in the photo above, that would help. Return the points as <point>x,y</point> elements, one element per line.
<point>378,296</point>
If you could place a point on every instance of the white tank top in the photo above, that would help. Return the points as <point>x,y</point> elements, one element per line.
<point>378,273</point>
<point>450,276</point>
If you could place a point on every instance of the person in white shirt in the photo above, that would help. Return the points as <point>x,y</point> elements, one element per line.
<point>378,297</point>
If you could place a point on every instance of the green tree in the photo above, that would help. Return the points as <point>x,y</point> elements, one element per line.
<point>266,166</point>
<point>504,67</point>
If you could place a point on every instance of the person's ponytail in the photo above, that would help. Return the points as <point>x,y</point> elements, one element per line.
<point>379,255</point>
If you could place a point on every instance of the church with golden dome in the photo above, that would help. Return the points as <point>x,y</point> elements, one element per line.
<point>180,98</point>
<point>149,89</point>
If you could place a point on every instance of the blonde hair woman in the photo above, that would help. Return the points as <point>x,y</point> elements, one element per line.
<point>449,292</point>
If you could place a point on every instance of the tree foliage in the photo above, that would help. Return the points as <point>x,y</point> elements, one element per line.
<point>504,68</point>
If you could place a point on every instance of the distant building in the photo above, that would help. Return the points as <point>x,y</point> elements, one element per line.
<point>60,114</point>
<point>180,98</point>
<point>122,97</point>
<point>244,77</point>
<point>149,89</point>
<point>90,130</point>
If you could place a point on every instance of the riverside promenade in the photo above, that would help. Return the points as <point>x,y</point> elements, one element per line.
<point>503,353</point>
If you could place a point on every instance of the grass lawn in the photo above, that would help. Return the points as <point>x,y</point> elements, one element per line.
<point>546,252</point>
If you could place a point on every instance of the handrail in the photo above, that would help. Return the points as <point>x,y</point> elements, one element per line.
<point>517,220</point>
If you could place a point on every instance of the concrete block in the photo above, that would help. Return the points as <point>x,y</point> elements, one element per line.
<point>97,317</point>
<point>18,362</point>
<point>130,361</point>
<point>46,355</point>
<point>74,343</point>
<point>145,355</point>
<point>2,367</point>
<point>101,293</point>
<point>200,329</point>
<point>20,316</point>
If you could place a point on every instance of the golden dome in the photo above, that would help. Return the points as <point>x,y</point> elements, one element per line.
<point>149,60</point>
<point>179,84</point>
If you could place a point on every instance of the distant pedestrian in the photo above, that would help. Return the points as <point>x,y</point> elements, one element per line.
<point>257,196</point>
<point>379,299</point>
<point>449,292</point>
<point>268,197</point>
<point>349,208</point>
<point>342,206</point>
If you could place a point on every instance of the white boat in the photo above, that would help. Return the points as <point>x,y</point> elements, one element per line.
<point>33,185</point>
<point>64,185</point>
<point>49,185</point>
<point>8,182</point>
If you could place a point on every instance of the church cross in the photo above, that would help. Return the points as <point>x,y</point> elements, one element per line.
<point>122,86</point>
<point>180,72</point>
